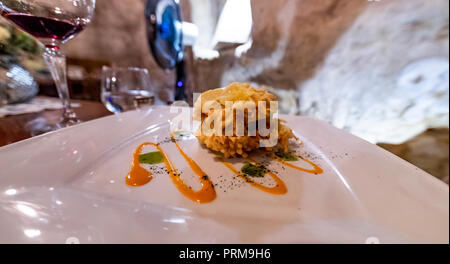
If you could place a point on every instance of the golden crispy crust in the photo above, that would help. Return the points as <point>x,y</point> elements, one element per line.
<point>232,146</point>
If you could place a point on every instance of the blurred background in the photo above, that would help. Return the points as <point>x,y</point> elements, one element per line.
<point>378,69</point>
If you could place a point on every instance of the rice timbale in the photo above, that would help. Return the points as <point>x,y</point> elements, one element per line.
<point>242,95</point>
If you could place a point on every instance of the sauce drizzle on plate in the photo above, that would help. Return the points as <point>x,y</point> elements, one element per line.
<point>138,176</point>
<point>207,193</point>
<point>316,170</point>
<point>278,189</point>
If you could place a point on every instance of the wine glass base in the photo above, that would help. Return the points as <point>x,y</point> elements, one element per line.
<point>68,122</point>
<point>42,126</point>
<point>42,130</point>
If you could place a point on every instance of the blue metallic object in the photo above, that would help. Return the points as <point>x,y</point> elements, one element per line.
<point>165,32</point>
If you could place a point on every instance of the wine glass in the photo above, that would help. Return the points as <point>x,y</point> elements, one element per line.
<point>53,22</point>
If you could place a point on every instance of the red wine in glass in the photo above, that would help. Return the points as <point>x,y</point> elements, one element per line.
<point>45,28</point>
<point>53,22</point>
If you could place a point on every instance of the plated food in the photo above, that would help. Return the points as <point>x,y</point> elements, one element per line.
<point>230,100</point>
<point>235,121</point>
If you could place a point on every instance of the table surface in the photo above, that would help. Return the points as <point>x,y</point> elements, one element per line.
<point>19,127</point>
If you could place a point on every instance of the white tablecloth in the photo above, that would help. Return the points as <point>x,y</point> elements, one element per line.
<point>38,104</point>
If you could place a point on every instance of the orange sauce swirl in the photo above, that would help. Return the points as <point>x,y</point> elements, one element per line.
<point>139,176</point>
<point>207,193</point>
<point>278,189</point>
<point>316,170</point>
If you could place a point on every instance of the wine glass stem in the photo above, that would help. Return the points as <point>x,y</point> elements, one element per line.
<point>56,62</point>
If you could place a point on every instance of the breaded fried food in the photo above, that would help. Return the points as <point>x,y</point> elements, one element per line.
<point>242,95</point>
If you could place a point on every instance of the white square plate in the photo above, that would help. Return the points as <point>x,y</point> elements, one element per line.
<point>70,186</point>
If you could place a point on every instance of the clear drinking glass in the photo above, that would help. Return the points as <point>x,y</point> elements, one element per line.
<point>125,89</point>
<point>53,22</point>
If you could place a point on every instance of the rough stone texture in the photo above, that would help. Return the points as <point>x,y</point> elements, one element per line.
<point>353,63</point>
<point>386,80</point>
<point>291,38</point>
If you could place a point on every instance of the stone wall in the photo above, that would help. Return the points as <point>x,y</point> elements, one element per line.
<point>352,63</point>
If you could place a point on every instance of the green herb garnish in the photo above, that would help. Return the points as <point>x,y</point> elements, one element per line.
<point>151,158</point>
<point>287,156</point>
<point>253,171</point>
<point>181,133</point>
